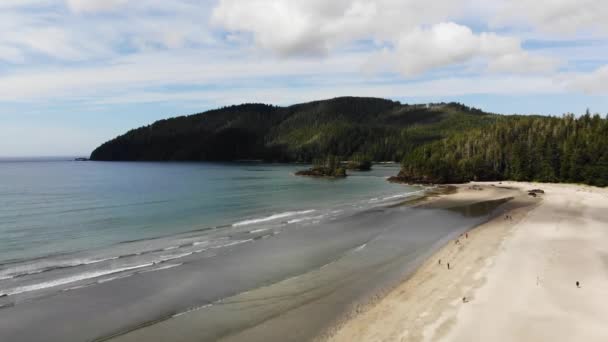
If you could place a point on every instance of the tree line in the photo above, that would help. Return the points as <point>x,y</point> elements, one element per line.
<point>520,148</point>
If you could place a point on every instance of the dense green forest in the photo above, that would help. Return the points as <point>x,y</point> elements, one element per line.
<point>381,130</point>
<point>544,149</point>
<point>437,143</point>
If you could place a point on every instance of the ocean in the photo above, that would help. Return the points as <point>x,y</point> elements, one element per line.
<point>95,249</point>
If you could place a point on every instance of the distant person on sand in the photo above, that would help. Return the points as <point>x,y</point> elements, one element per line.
<point>448,265</point>
<point>578,284</point>
<point>439,262</point>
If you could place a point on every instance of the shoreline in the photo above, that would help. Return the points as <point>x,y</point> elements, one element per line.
<point>470,302</point>
<point>353,325</point>
<point>357,258</point>
<point>339,285</point>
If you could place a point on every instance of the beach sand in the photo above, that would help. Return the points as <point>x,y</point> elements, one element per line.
<point>510,280</point>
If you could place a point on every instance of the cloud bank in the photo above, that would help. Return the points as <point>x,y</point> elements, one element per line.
<point>75,48</point>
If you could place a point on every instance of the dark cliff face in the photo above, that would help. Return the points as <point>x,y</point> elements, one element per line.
<point>377,128</point>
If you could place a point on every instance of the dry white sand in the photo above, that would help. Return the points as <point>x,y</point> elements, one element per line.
<point>517,277</point>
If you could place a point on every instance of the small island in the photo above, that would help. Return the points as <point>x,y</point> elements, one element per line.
<point>327,167</point>
<point>359,163</point>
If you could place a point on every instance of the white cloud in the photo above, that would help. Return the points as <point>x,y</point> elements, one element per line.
<point>443,44</point>
<point>229,78</point>
<point>11,54</point>
<point>155,43</point>
<point>595,83</point>
<point>523,62</point>
<point>152,69</point>
<point>277,94</point>
<point>292,27</point>
<point>446,44</point>
<point>84,6</point>
<point>66,30</point>
<point>560,16</point>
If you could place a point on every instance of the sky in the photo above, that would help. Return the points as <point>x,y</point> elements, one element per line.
<point>75,73</point>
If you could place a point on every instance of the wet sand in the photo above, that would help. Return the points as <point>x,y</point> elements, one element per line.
<point>292,286</point>
<point>510,280</point>
<point>303,307</point>
<point>283,287</point>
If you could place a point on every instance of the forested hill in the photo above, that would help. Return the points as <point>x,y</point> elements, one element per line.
<point>545,149</point>
<point>378,129</point>
<point>437,143</point>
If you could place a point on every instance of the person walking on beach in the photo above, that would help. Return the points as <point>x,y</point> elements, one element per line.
<point>578,284</point>
<point>448,265</point>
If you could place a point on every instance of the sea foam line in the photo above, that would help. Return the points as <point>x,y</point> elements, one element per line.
<point>164,258</point>
<point>67,280</point>
<point>402,195</point>
<point>166,267</point>
<point>232,243</point>
<point>272,217</point>
<point>33,269</point>
<point>191,310</point>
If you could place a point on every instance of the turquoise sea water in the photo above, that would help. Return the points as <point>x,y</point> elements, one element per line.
<point>50,207</point>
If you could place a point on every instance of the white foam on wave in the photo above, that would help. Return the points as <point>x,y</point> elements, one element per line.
<point>41,267</point>
<point>166,267</point>
<point>72,279</point>
<point>77,287</point>
<point>101,281</point>
<point>397,196</point>
<point>261,230</point>
<point>360,247</point>
<point>272,217</point>
<point>307,218</point>
<point>172,257</point>
<point>191,310</point>
<point>233,243</point>
<point>96,261</point>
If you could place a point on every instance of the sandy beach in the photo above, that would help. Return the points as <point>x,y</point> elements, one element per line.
<point>511,279</point>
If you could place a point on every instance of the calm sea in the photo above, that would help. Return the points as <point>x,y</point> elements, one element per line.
<point>57,207</point>
<point>94,249</point>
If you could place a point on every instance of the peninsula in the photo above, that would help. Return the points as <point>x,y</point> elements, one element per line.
<point>436,143</point>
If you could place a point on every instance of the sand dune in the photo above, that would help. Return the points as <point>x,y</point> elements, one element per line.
<point>517,277</point>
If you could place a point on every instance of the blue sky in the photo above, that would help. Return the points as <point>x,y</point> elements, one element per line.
<point>75,73</point>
